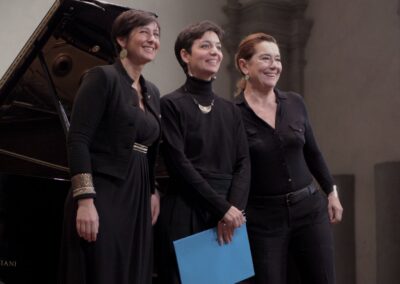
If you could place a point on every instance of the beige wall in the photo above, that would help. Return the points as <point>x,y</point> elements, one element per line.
<point>174,15</point>
<point>352,89</point>
<point>15,30</point>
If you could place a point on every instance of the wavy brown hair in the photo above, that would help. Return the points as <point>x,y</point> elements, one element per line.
<point>246,50</point>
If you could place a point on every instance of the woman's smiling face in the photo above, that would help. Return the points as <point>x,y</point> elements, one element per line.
<point>205,58</point>
<point>142,43</point>
<point>264,67</point>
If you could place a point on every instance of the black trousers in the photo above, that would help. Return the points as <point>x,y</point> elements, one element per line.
<point>301,230</point>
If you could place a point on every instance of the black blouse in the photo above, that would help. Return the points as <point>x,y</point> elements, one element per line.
<point>198,145</point>
<point>286,158</point>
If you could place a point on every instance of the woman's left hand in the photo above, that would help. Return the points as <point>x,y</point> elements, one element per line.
<point>225,233</point>
<point>155,207</point>
<point>335,209</point>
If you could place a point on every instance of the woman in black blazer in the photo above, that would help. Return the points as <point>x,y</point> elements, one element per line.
<point>112,145</point>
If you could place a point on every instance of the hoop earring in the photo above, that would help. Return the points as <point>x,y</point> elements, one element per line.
<point>123,53</point>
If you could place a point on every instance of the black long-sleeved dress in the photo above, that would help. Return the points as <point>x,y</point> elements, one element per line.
<point>207,158</point>
<point>105,124</point>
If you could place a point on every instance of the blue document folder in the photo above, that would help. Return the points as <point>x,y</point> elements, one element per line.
<point>202,260</point>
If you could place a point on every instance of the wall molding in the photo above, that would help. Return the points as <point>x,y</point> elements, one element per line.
<point>283,19</point>
<point>398,8</point>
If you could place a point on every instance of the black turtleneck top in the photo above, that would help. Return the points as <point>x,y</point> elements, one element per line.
<point>198,145</point>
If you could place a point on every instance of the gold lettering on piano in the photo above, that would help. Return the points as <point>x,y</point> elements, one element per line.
<point>8,263</point>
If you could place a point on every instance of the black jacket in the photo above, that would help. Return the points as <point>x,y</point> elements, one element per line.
<point>103,122</point>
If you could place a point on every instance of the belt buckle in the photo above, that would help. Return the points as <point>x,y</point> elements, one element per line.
<point>140,148</point>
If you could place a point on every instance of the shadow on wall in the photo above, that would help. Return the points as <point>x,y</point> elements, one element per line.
<point>387,198</point>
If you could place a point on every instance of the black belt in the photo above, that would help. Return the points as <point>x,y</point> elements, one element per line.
<point>284,199</point>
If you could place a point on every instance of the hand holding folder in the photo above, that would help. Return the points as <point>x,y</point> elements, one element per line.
<point>201,259</point>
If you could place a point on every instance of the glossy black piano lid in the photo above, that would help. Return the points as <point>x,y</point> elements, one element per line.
<point>76,38</point>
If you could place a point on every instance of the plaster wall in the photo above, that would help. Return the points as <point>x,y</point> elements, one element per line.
<point>352,90</point>
<point>174,15</point>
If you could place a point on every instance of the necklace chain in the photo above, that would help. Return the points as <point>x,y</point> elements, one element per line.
<point>203,109</point>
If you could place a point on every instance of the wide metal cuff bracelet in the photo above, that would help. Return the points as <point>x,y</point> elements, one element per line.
<point>82,184</point>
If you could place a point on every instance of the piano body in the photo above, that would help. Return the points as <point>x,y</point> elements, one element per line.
<point>36,96</point>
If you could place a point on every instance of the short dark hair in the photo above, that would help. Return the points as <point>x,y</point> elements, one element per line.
<point>189,34</point>
<point>127,21</point>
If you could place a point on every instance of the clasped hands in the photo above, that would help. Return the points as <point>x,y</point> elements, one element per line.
<point>232,219</point>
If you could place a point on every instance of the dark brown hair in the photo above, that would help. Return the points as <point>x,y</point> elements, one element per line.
<point>246,50</point>
<point>129,20</point>
<point>189,34</point>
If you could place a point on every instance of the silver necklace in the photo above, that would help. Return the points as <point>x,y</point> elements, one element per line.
<point>204,109</point>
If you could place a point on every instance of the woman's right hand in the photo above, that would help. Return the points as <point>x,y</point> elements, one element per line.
<point>87,220</point>
<point>232,219</point>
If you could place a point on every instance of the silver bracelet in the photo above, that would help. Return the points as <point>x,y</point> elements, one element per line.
<point>335,191</point>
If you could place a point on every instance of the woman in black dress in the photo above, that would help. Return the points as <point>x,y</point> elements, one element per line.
<point>112,145</point>
<point>286,213</point>
<point>204,148</point>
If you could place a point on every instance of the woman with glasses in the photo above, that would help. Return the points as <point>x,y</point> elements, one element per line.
<point>112,146</point>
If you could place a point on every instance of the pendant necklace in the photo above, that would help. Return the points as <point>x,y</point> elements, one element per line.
<point>204,109</point>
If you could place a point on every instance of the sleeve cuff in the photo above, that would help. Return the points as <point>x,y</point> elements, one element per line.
<point>82,186</point>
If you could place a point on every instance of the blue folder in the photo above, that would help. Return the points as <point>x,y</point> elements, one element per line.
<point>202,260</point>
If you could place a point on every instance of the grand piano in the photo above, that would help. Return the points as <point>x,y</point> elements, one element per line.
<point>36,95</point>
